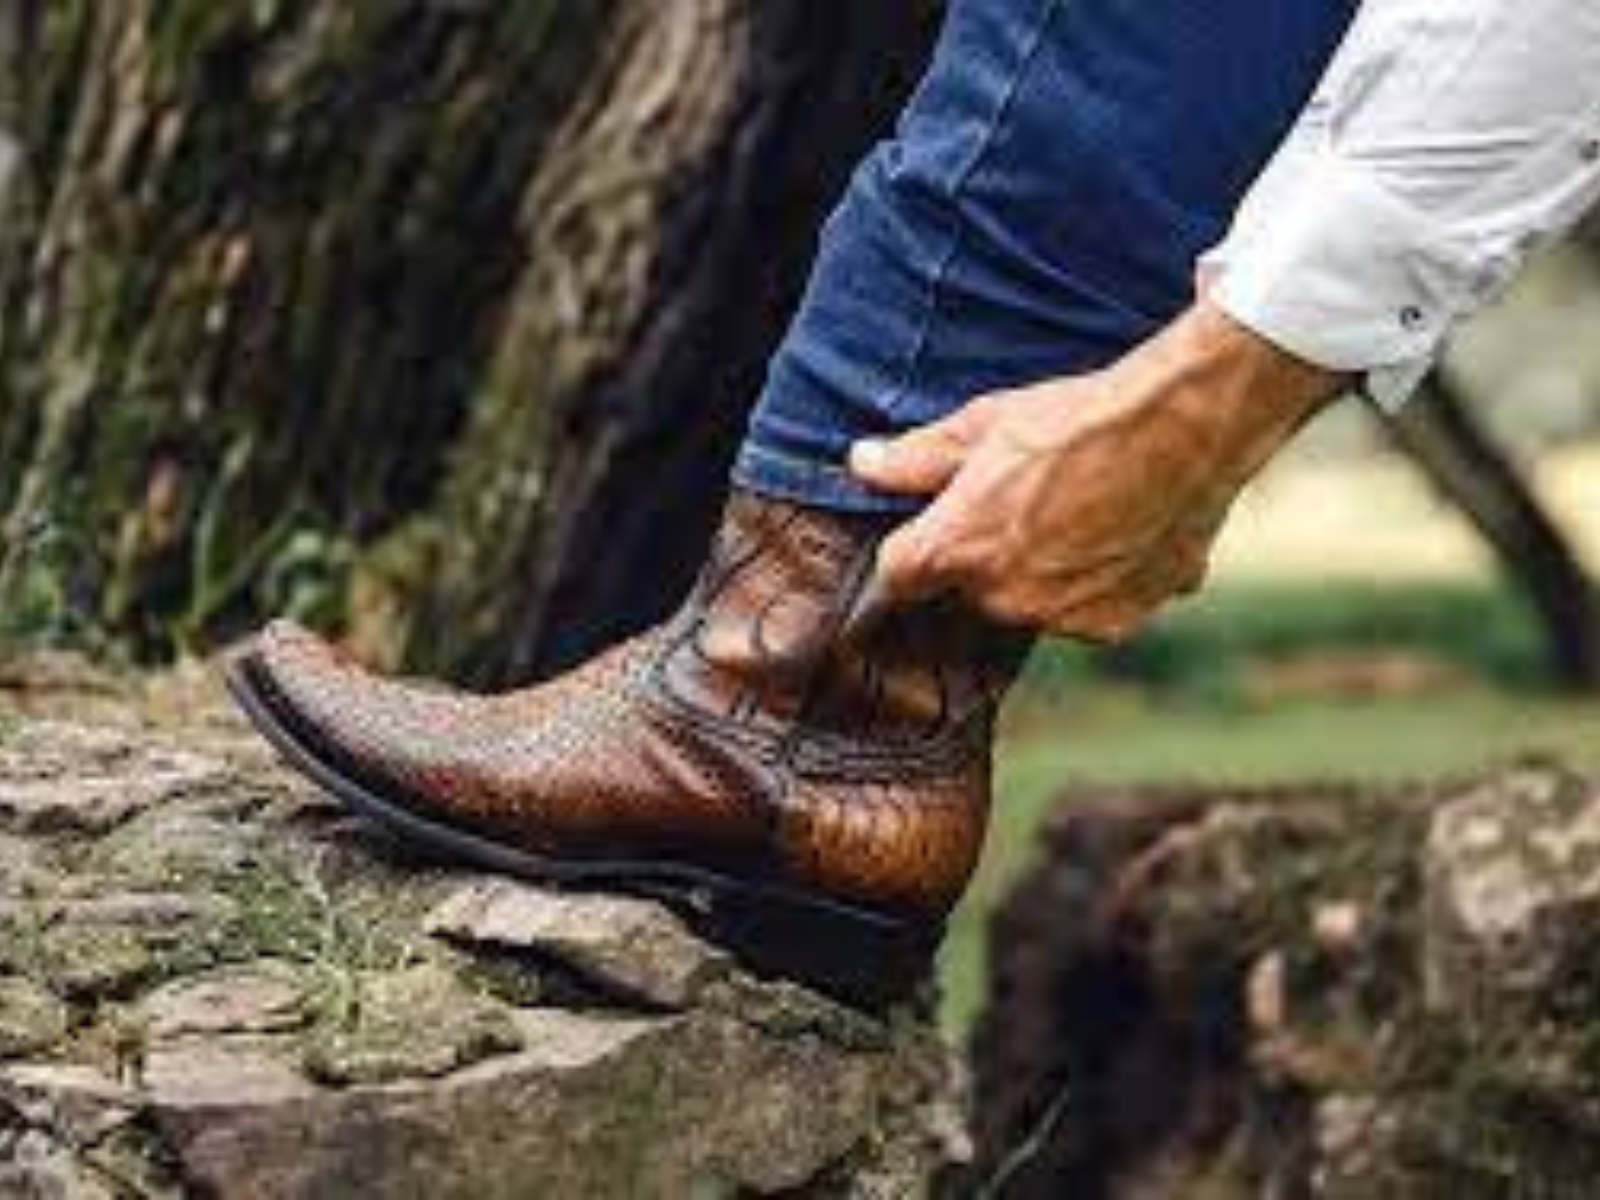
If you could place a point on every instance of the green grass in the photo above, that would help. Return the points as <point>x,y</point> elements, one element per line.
<point>1201,648</point>
<point>1174,709</point>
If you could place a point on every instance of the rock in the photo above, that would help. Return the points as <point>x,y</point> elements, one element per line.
<point>419,1023</point>
<point>177,848</point>
<point>33,1166</point>
<point>31,1019</point>
<point>77,1103</point>
<point>106,946</point>
<point>46,672</point>
<point>24,867</point>
<point>87,962</point>
<point>89,781</point>
<point>596,1106</point>
<point>264,997</point>
<point>633,947</point>
<point>1311,993</point>
<point>87,805</point>
<point>217,984</point>
<point>1513,894</point>
<point>47,748</point>
<point>165,914</point>
<point>201,1075</point>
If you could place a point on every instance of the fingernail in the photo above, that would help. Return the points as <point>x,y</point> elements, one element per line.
<point>869,455</point>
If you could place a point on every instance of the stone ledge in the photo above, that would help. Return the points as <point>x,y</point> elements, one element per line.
<point>213,982</point>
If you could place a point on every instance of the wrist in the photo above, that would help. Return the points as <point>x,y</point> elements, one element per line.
<point>1237,391</point>
<point>1251,371</point>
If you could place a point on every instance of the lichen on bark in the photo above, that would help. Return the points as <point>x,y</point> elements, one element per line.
<point>381,313</point>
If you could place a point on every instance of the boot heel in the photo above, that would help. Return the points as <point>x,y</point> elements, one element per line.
<point>860,958</point>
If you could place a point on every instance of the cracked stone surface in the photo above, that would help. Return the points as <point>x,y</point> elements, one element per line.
<point>263,997</point>
<point>1512,873</point>
<point>31,1019</point>
<point>214,983</point>
<point>634,947</point>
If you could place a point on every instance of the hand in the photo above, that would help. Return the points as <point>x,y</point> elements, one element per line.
<point>1081,506</point>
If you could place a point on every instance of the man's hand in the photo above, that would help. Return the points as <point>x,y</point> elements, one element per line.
<point>1081,506</point>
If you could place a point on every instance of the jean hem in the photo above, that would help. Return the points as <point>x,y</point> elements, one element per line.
<point>814,484</point>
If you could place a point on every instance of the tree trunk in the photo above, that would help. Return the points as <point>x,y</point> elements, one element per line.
<point>669,231</point>
<point>379,310</point>
<point>264,251</point>
<point>1462,462</point>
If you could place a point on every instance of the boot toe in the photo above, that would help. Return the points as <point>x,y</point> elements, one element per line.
<point>381,731</point>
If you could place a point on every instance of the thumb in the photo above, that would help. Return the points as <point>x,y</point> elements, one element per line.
<point>923,461</point>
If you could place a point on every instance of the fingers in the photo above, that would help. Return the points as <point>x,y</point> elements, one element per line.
<point>942,552</point>
<point>1100,577</point>
<point>1193,572</point>
<point>1108,603</point>
<point>924,461</point>
<point>1118,613</point>
<point>919,560</point>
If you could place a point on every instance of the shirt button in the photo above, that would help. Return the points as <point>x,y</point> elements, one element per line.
<point>1412,318</point>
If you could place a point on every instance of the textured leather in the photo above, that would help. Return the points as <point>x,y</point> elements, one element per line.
<point>743,736</point>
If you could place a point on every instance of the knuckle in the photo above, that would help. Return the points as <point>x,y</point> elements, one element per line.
<point>980,407</point>
<point>1078,629</point>
<point>912,560</point>
<point>980,414</point>
<point>1026,616</point>
<point>1193,575</point>
<point>964,564</point>
<point>1009,610</point>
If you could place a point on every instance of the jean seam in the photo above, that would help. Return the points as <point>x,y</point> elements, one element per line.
<point>933,297</point>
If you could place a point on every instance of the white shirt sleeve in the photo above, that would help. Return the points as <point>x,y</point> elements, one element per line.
<point>1449,139</point>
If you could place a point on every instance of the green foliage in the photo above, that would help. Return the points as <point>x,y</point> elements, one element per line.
<point>1201,651</point>
<point>45,582</point>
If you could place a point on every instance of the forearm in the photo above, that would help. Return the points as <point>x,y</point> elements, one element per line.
<point>1231,394</point>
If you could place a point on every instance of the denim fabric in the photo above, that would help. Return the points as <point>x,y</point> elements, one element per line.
<point>1037,213</point>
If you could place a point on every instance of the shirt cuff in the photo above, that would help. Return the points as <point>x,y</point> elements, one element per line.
<point>1326,263</point>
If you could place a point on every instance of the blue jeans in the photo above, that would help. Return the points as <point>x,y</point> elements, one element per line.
<point>1038,213</point>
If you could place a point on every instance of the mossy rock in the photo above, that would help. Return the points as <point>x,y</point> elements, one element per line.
<point>419,1023</point>
<point>32,1020</point>
<point>1304,992</point>
<point>229,988</point>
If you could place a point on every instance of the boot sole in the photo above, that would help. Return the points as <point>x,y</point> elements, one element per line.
<point>864,958</point>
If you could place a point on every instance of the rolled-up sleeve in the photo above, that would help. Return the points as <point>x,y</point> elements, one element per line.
<point>1447,142</point>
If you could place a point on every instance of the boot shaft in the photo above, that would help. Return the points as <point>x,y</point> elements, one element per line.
<point>762,643</point>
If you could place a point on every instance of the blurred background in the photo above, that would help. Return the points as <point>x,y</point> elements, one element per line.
<point>436,324</point>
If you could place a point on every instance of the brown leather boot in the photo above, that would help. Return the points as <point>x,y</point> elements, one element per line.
<point>820,800</point>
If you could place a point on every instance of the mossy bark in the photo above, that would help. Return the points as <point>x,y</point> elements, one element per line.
<point>380,309</point>
<point>668,234</point>
<point>264,246</point>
